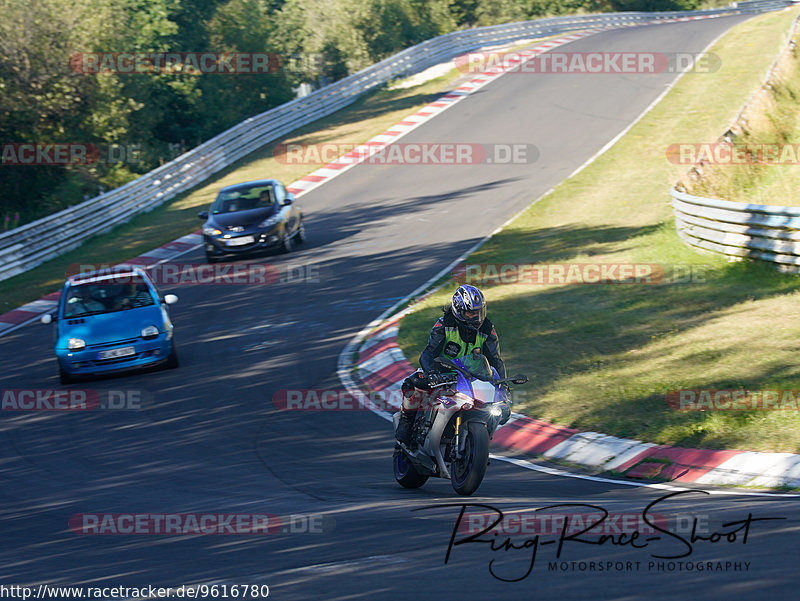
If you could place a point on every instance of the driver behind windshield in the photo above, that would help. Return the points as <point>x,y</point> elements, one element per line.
<point>265,199</point>
<point>133,295</point>
<point>81,302</point>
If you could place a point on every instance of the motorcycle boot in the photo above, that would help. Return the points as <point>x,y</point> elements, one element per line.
<point>403,432</point>
<point>411,400</point>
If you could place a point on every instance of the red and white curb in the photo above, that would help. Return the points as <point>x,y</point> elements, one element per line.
<point>380,365</point>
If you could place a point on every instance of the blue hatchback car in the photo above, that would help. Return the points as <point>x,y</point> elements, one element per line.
<point>112,321</point>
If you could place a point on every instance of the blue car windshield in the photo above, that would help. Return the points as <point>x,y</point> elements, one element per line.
<point>243,199</point>
<point>107,297</point>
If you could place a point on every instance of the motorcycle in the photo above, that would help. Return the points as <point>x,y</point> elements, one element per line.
<point>451,431</point>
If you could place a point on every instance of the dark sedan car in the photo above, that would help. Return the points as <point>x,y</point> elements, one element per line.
<point>250,217</point>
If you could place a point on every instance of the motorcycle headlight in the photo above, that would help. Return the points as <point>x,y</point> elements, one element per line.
<point>149,332</point>
<point>76,344</point>
<point>496,411</point>
<point>211,231</point>
<point>270,221</point>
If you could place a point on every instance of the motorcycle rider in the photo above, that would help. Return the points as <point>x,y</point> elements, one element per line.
<point>463,328</point>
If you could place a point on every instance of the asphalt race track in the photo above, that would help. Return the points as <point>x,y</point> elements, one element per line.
<point>209,439</point>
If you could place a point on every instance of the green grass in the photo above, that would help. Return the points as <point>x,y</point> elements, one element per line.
<point>773,119</point>
<point>604,356</point>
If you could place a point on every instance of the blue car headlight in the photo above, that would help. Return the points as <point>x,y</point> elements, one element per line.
<point>270,221</point>
<point>149,332</point>
<point>211,231</point>
<point>76,344</point>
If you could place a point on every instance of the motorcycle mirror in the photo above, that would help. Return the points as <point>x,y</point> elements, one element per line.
<point>519,379</point>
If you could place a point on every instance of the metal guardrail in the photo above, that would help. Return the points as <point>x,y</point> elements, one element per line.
<point>767,232</point>
<point>27,246</point>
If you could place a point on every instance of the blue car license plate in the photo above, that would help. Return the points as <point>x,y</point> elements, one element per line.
<point>116,353</point>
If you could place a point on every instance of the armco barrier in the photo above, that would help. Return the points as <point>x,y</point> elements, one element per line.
<point>769,233</point>
<point>30,245</point>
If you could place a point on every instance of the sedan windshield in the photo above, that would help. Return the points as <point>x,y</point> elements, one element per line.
<point>243,199</point>
<point>107,297</point>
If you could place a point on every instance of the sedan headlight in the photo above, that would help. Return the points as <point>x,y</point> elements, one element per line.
<point>270,221</point>
<point>149,332</point>
<point>76,344</point>
<point>211,231</point>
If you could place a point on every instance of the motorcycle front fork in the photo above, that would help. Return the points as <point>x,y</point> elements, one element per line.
<point>460,438</point>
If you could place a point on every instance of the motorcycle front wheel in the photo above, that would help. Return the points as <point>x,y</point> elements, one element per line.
<point>466,473</point>
<point>404,471</point>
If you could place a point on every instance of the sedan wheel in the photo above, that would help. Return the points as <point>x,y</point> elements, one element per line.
<point>301,233</point>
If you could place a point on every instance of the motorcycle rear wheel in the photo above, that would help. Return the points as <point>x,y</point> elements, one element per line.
<point>405,473</point>
<point>466,473</point>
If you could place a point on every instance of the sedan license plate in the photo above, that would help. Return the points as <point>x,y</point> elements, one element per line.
<point>116,353</point>
<point>241,240</point>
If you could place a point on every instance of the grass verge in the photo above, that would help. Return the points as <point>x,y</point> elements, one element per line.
<point>605,355</point>
<point>771,122</point>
